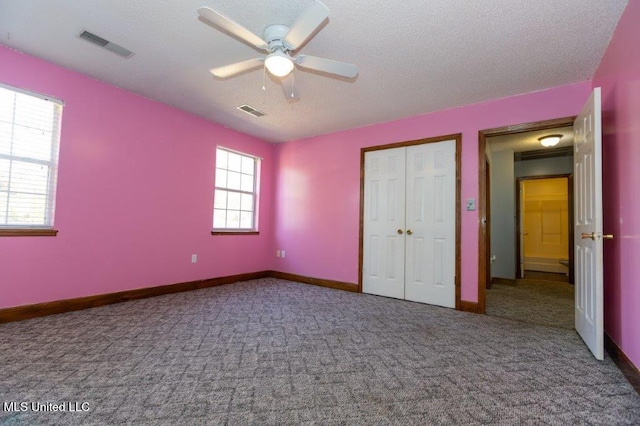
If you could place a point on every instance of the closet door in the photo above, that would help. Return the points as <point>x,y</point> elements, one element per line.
<point>384,223</point>
<point>430,223</point>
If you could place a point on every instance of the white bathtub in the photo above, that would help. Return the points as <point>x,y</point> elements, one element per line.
<point>546,264</point>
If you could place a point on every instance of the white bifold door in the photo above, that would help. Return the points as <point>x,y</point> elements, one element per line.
<point>409,223</point>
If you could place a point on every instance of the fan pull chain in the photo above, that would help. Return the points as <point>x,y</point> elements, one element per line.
<point>264,78</point>
<point>293,84</point>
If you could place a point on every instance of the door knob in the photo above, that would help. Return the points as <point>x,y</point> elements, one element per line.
<point>399,231</point>
<point>596,235</point>
<point>409,232</point>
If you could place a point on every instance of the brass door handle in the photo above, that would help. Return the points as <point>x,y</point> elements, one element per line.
<point>409,232</point>
<point>596,235</point>
<point>399,231</point>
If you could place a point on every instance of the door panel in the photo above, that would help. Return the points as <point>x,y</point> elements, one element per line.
<point>430,222</point>
<point>439,263</point>
<point>588,209</point>
<point>384,200</point>
<point>418,272</point>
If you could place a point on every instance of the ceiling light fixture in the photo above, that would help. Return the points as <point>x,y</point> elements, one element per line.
<point>550,140</point>
<point>279,64</point>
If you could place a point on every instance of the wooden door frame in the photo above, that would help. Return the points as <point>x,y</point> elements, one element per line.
<point>457,137</point>
<point>487,185</point>
<point>572,245</point>
<point>569,177</point>
<point>482,192</point>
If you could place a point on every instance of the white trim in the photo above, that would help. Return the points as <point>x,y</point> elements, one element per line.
<point>30,93</point>
<point>254,193</point>
<point>20,227</point>
<point>55,106</point>
<point>239,152</point>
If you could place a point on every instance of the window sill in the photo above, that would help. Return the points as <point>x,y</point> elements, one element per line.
<point>28,232</point>
<point>235,233</point>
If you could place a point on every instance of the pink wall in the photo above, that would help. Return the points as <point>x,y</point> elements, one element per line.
<point>318,181</point>
<point>135,195</point>
<point>619,77</point>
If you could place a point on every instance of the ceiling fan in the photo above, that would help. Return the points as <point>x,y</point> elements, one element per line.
<point>279,41</point>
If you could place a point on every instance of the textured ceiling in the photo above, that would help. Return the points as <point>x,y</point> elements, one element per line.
<point>521,142</point>
<point>415,56</point>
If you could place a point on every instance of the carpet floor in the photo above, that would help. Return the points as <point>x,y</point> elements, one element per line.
<point>276,352</point>
<point>546,276</point>
<point>540,302</point>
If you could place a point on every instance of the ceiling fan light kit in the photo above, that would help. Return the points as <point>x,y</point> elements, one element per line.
<point>278,64</point>
<point>278,42</point>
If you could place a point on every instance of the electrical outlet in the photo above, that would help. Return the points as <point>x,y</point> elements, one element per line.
<point>282,253</point>
<point>277,253</point>
<point>194,258</point>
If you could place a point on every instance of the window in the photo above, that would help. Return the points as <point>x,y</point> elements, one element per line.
<point>235,198</point>
<point>29,141</point>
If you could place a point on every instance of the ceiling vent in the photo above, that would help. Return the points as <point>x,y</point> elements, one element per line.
<point>251,110</point>
<point>106,44</point>
<point>566,151</point>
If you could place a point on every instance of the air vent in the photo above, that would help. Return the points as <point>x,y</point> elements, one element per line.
<point>566,151</point>
<point>106,44</point>
<point>251,110</point>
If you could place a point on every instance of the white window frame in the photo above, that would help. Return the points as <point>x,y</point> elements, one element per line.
<point>15,227</point>
<point>254,194</point>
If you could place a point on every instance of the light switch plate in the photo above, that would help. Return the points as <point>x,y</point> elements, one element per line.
<point>471,204</point>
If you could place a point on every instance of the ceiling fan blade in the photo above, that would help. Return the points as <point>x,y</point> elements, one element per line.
<point>288,86</point>
<point>237,68</point>
<point>219,20</point>
<point>306,24</point>
<point>327,65</point>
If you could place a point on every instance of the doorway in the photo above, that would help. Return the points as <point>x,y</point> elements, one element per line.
<point>544,231</point>
<point>587,224</point>
<point>488,221</point>
<point>528,195</point>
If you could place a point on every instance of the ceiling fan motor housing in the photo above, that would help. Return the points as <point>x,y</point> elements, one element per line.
<point>274,36</point>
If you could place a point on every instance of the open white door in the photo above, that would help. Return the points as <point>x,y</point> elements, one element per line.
<point>587,167</point>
